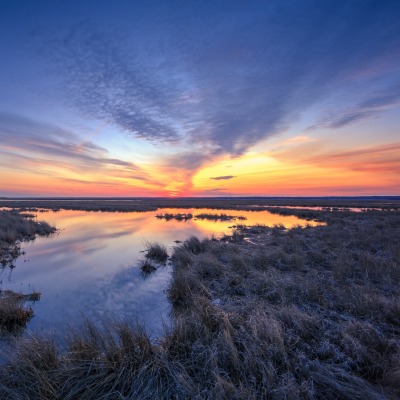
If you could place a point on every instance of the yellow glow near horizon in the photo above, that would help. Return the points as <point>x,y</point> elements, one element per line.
<point>294,172</point>
<point>297,166</point>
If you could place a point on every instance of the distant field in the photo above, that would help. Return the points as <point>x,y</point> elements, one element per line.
<point>239,203</point>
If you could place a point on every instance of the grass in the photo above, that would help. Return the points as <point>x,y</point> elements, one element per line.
<point>310,313</point>
<point>157,252</point>
<point>13,313</point>
<point>15,228</point>
<point>177,217</point>
<point>147,266</point>
<point>208,216</point>
<point>219,217</point>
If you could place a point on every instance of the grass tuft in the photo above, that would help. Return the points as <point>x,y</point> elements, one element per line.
<point>147,267</point>
<point>156,252</point>
<point>13,314</point>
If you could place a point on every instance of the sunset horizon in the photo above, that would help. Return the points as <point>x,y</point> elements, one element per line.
<point>198,99</point>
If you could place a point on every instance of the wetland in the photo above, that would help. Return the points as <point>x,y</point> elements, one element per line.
<point>273,303</point>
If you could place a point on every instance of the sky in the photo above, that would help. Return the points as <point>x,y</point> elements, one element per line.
<point>199,98</point>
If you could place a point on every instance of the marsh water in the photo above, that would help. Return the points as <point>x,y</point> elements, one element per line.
<point>90,267</point>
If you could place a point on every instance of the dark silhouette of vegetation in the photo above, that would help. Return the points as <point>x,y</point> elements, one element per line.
<point>13,313</point>
<point>156,252</point>
<point>16,228</point>
<point>208,216</point>
<point>177,217</point>
<point>219,217</point>
<point>147,267</point>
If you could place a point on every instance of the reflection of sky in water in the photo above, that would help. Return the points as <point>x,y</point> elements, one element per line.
<point>90,266</point>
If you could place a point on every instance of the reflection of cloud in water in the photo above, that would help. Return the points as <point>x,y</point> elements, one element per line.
<point>78,248</point>
<point>127,296</point>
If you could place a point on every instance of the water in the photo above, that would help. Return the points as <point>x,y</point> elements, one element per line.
<point>90,267</point>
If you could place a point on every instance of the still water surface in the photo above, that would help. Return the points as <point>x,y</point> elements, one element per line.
<point>90,267</point>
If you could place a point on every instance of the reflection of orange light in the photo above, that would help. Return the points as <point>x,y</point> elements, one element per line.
<point>146,226</point>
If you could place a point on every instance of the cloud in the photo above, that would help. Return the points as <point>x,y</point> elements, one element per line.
<point>223,178</point>
<point>188,161</point>
<point>371,107</point>
<point>225,77</point>
<point>40,147</point>
<point>103,81</point>
<point>374,159</point>
<point>212,192</point>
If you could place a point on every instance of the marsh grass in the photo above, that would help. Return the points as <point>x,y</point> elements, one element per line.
<point>219,217</point>
<point>157,252</point>
<point>147,267</point>
<point>16,228</point>
<point>306,313</point>
<point>13,313</point>
<point>195,245</point>
<point>177,217</point>
<point>205,216</point>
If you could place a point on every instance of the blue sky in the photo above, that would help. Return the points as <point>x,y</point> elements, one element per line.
<point>156,90</point>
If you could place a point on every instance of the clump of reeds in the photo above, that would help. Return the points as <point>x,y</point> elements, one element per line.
<point>177,217</point>
<point>146,266</point>
<point>15,228</point>
<point>157,252</point>
<point>13,313</point>
<point>219,217</point>
<point>195,245</point>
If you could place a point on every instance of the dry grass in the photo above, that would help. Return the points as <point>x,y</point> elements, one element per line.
<point>177,217</point>
<point>307,313</point>
<point>219,217</point>
<point>156,252</point>
<point>147,267</point>
<point>15,228</point>
<point>13,314</point>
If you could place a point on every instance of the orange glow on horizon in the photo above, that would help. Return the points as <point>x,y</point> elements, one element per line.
<point>300,167</point>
